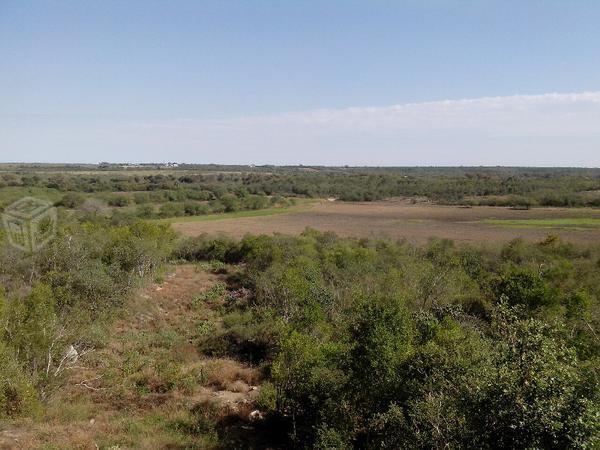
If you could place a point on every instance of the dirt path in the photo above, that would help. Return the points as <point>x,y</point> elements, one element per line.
<point>400,219</point>
<point>148,386</point>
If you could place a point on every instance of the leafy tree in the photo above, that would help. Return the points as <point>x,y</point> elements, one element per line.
<point>537,397</point>
<point>524,286</point>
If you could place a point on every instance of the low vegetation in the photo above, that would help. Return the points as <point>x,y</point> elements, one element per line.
<point>121,334</point>
<point>574,222</point>
<point>56,298</point>
<point>377,344</point>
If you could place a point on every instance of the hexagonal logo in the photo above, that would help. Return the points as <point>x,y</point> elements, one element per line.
<point>30,223</point>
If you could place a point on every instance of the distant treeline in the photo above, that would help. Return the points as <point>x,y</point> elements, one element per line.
<point>519,187</point>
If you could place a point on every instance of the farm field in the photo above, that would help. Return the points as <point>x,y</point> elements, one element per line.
<point>417,223</point>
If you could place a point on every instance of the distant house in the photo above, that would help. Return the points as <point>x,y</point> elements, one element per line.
<point>169,165</point>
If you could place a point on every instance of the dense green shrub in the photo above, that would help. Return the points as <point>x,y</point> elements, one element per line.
<point>195,209</point>
<point>524,286</point>
<point>230,202</point>
<point>18,396</point>
<point>144,211</point>
<point>71,200</point>
<point>171,210</point>
<point>118,201</point>
<point>206,248</point>
<point>379,344</point>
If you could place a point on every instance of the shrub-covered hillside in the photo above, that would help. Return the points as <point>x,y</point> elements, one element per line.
<point>61,297</point>
<point>378,344</point>
<point>349,343</point>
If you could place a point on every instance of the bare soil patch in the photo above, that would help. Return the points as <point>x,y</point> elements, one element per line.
<point>399,219</point>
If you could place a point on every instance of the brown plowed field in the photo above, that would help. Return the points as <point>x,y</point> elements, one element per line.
<point>400,219</point>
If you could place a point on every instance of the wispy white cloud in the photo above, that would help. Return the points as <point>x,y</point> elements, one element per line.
<point>489,130</point>
<point>521,112</point>
<point>548,129</point>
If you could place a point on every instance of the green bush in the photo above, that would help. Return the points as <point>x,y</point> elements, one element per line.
<point>71,200</point>
<point>230,203</point>
<point>377,344</point>
<point>213,293</point>
<point>207,248</point>
<point>18,396</point>
<point>524,286</point>
<point>118,201</point>
<point>144,211</point>
<point>171,210</point>
<point>195,209</point>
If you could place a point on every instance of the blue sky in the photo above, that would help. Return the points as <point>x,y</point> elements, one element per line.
<point>313,82</point>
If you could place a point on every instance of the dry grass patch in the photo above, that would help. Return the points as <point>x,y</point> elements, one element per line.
<point>399,219</point>
<point>151,386</point>
<point>227,374</point>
